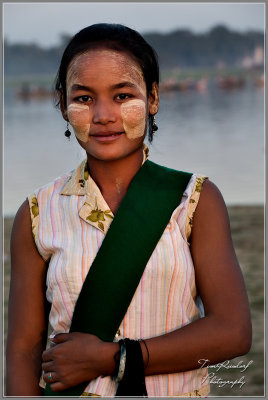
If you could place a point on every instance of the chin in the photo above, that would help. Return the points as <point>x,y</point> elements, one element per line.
<point>106,155</point>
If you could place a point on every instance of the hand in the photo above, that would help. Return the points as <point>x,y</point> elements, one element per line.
<point>76,358</point>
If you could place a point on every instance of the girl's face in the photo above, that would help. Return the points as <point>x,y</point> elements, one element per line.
<point>107,103</point>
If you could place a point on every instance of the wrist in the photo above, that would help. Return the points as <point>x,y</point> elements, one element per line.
<point>110,364</point>
<point>145,353</point>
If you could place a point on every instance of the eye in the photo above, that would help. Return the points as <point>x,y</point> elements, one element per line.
<point>83,99</point>
<point>123,96</point>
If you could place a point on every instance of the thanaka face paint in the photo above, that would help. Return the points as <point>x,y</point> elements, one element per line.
<point>119,63</point>
<point>78,115</point>
<point>133,117</point>
<point>90,69</point>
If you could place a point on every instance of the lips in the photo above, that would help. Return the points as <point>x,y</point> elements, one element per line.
<point>106,136</point>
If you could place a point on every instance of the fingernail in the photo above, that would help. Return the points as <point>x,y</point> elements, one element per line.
<point>51,336</point>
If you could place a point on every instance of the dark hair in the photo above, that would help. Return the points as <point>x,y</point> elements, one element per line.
<point>115,37</point>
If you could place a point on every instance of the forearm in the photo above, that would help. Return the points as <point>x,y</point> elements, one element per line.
<point>204,339</point>
<point>27,310</point>
<point>23,375</point>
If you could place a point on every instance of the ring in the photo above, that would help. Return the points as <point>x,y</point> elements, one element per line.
<point>50,376</point>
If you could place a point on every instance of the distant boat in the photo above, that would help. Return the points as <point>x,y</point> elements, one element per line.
<point>259,81</point>
<point>27,92</point>
<point>230,82</point>
<point>171,85</point>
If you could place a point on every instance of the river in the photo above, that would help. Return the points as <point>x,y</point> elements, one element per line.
<point>217,133</point>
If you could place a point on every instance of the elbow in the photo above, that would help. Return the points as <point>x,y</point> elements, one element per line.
<point>241,338</point>
<point>246,341</point>
<point>243,346</point>
<point>234,336</point>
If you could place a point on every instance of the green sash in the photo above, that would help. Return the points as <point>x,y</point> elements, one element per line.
<point>111,282</point>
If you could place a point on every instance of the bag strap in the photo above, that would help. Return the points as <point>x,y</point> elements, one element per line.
<point>115,273</point>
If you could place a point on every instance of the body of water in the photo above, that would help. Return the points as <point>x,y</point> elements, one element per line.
<point>216,133</point>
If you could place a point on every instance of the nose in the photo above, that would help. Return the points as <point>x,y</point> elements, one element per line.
<point>104,112</point>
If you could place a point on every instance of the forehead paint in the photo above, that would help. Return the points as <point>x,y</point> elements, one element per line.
<point>133,116</point>
<point>72,75</point>
<point>120,68</point>
<point>78,115</point>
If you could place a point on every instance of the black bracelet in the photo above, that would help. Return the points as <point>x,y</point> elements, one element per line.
<point>133,381</point>
<point>143,341</point>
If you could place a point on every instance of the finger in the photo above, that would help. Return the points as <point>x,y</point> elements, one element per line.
<point>47,355</point>
<point>50,377</point>
<point>60,338</point>
<point>58,386</point>
<point>48,366</point>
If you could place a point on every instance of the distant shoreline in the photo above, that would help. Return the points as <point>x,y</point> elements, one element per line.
<point>230,208</point>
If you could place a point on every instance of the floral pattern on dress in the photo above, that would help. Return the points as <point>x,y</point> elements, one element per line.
<point>98,216</point>
<point>34,211</point>
<point>94,211</point>
<point>193,203</point>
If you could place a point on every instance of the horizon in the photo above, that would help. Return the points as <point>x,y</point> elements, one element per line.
<point>62,34</point>
<point>69,18</point>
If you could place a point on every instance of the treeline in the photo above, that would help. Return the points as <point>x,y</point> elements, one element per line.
<point>180,48</point>
<point>183,48</point>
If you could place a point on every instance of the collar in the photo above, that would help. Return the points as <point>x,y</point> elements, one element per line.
<point>94,210</point>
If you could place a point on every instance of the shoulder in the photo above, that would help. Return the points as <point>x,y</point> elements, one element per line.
<point>42,197</point>
<point>210,190</point>
<point>211,215</point>
<point>22,225</point>
<point>21,236</point>
<point>38,204</point>
<point>211,200</point>
<point>23,215</point>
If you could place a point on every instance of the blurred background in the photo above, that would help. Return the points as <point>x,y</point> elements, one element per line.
<point>211,118</point>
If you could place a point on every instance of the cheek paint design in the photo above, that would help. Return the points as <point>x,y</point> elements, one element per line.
<point>133,116</point>
<point>78,115</point>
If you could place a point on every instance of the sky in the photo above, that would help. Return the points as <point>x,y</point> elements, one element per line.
<point>43,23</point>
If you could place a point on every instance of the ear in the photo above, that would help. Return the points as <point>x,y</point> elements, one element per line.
<point>63,106</point>
<point>153,101</point>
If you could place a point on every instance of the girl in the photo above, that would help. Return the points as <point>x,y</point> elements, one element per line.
<point>125,249</point>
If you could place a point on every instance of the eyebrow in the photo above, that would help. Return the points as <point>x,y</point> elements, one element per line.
<point>76,86</point>
<point>120,85</point>
<point>124,84</point>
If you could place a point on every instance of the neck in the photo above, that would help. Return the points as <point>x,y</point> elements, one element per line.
<point>113,177</point>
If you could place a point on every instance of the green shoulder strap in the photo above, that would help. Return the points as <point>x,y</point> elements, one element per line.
<point>111,282</point>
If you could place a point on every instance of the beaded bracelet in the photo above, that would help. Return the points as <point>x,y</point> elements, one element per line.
<point>122,362</point>
<point>133,381</point>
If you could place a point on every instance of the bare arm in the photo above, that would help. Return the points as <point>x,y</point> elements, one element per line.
<point>27,326</point>
<point>224,332</point>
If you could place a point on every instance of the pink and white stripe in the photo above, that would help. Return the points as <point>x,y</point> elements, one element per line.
<point>165,299</point>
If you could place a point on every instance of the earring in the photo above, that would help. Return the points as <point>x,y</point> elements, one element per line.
<point>67,132</point>
<point>154,126</point>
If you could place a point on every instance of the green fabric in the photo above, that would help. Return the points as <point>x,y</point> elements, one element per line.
<point>115,273</point>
